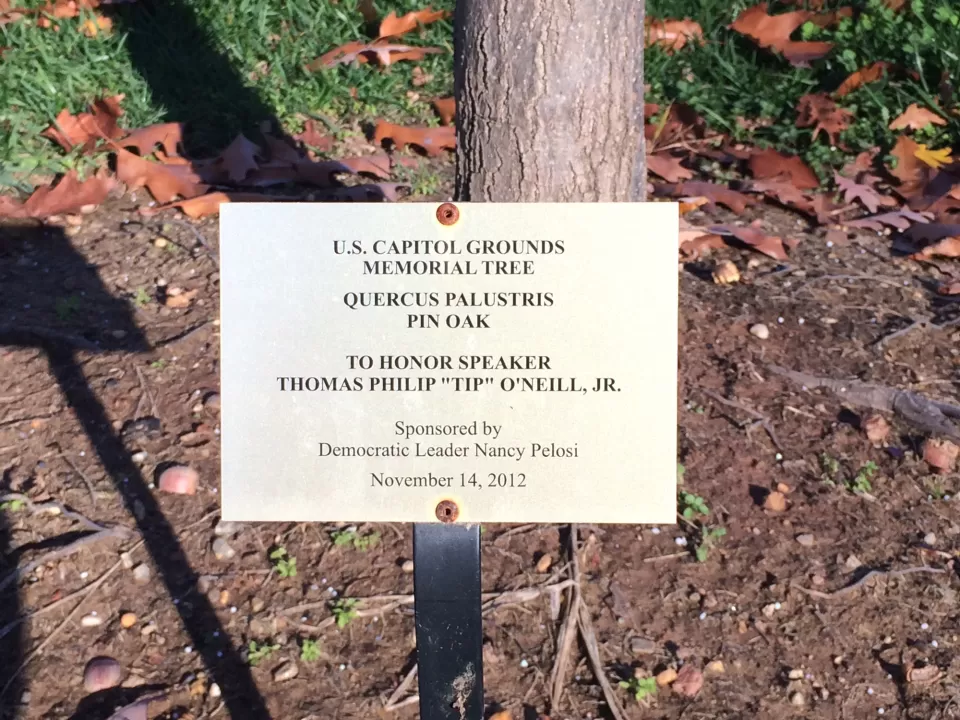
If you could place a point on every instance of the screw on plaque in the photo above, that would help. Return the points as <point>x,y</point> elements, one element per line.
<point>448,214</point>
<point>447,511</point>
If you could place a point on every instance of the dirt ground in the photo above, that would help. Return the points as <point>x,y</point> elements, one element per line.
<point>89,427</point>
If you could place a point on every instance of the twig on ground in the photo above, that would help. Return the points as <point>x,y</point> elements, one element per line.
<point>54,508</point>
<point>928,415</point>
<point>181,335</point>
<point>203,240</point>
<point>88,590</point>
<point>146,391</point>
<point>671,556</point>
<point>86,480</point>
<point>568,631</point>
<point>761,419</point>
<point>593,652</point>
<point>918,322</point>
<point>869,576</point>
<point>394,701</point>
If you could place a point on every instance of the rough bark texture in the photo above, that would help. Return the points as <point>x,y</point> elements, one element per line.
<point>549,100</point>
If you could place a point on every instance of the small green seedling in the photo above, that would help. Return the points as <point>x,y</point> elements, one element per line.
<point>344,610</point>
<point>141,297</point>
<point>66,307</point>
<point>642,689</point>
<point>257,652</point>
<point>343,538</point>
<point>693,505</point>
<point>681,471</point>
<point>708,539</point>
<point>309,650</point>
<point>829,469</point>
<point>158,364</point>
<point>12,505</point>
<point>861,483</point>
<point>284,564</point>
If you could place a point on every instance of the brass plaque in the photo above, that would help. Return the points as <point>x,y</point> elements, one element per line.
<point>519,362</point>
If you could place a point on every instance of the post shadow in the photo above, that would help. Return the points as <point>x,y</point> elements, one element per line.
<point>37,264</point>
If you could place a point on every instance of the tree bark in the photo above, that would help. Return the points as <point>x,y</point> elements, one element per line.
<point>549,100</point>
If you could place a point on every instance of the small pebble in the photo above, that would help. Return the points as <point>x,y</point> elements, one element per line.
<point>128,620</point>
<point>934,643</point>
<point>288,671</point>
<point>84,575</point>
<point>188,650</point>
<point>930,539</point>
<point>869,691</point>
<point>796,674</point>
<point>215,691</point>
<point>924,626</point>
<point>91,620</point>
<point>806,539</point>
<point>760,331</point>
<point>703,616</point>
<point>179,480</point>
<point>797,699</point>
<point>342,666</point>
<point>681,541</point>
<point>642,646</point>
<point>407,566</point>
<point>101,673</point>
<point>544,563</point>
<point>222,550</point>
<point>654,531</point>
<point>142,574</point>
<point>524,664</point>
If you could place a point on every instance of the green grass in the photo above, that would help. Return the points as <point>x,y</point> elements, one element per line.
<point>220,67</point>
<point>729,77</point>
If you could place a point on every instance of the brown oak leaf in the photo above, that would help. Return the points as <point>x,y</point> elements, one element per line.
<point>870,73</point>
<point>673,34</point>
<point>86,128</point>
<point>901,220</point>
<point>773,32</point>
<point>239,158</point>
<point>718,194</point>
<point>689,681</point>
<point>769,163</point>
<point>165,182</point>
<point>948,247</point>
<point>823,115</point>
<point>446,108</point>
<point>169,136</point>
<point>391,25</point>
<point>432,140</point>
<point>866,194</point>
<point>916,118</point>
<point>69,195</point>
<point>380,50</point>
<point>313,137</point>
<point>770,245</point>
<point>668,167</point>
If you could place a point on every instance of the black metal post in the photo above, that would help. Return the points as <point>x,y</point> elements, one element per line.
<point>446,586</point>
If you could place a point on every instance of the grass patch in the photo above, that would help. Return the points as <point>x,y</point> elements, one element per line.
<point>220,68</point>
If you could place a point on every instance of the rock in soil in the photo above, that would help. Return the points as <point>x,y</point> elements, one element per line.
<point>142,574</point>
<point>797,699</point>
<point>287,671</point>
<point>642,646</point>
<point>666,677</point>
<point>128,620</point>
<point>101,673</point>
<point>806,539</point>
<point>179,479</point>
<point>760,331</point>
<point>222,550</point>
<point>407,566</point>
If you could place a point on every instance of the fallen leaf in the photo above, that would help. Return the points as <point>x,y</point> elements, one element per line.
<point>726,273</point>
<point>900,219</point>
<point>209,204</point>
<point>371,192</point>
<point>783,191</point>
<point>933,158</point>
<point>823,115</point>
<point>380,50</point>
<point>167,135</point>
<point>773,32</point>
<point>693,249</point>
<point>862,163</point>
<point>775,502</point>
<point>432,140</point>
<point>952,288</point>
<point>165,182</point>
<point>769,163</point>
<point>180,300</point>
<point>69,195</point>
<point>770,245</point>
<point>911,173</point>
<point>924,675</point>
<point>690,204</point>
<point>916,118</point>
<point>391,25</point>
<point>313,137</point>
<point>85,129</point>
<point>718,194</point>
<point>867,195</point>
<point>876,428</point>
<point>96,25</point>
<point>689,681</point>
<point>446,108</point>
<point>673,34</point>
<point>940,454</point>
<point>239,159</point>
<point>668,167</point>
<point>870,73</point>
<point>679,123</point>
<point>378,166</point>
<point>948,247</point>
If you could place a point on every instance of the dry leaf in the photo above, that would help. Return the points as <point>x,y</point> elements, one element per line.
<point>689,681</point>
<point>770,245</point>
<point>239,159</point>
<point>823,115</point>
<point>689,204</point>
<point>951,288</point>
<point>924,675</point>
<point>391,26</point>
<point>381,50</point>
<point>96,25</point>
<point>770,164</point>
<point>209,204</point>
<point>900,219</point>
<point>876,428</point>
<point>719,194</point>
<point>867,195</point>
<point>916,118</point>
<point>673,34</point>
<point>783,191</point>
<point>775,502</point>
<point>87,128</point>
<point>940,454</point>
<point>432,140</point>
<point>378,166</point>
<point>167,135</point>
<point>948,247</point>
<point>313,137</point>
<point>180,299</point>
<point>726,273</point>
<point>861,77</point>
<point>933,158</point>
<point>693,248</point>
<point>69,195</point>
<point>165,182</point>
<point>668,167</point>
<point>911,173</point>
<point>773,32</point>
<point>446,108</point>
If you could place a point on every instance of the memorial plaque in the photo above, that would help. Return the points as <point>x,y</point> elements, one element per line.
<point>517,362</point>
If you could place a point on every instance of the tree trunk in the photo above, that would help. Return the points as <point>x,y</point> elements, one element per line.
<point>549,100</point>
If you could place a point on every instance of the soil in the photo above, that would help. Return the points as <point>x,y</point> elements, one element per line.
<point>139,377</point>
